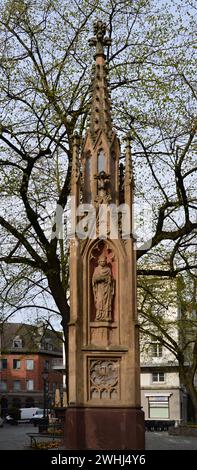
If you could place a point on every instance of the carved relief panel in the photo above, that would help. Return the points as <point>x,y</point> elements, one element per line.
<point>104,379</point>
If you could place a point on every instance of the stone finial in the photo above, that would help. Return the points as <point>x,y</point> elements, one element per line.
<point>75,171</point>
<point>128,160</point>
<point>128,139</point>
<point>99,40</point>
<point>121,183</point>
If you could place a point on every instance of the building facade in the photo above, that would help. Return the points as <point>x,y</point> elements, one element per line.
<point>162,396</point>
<point>27,351</point>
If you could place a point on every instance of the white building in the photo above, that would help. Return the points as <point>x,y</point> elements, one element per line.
<point>162,396</point>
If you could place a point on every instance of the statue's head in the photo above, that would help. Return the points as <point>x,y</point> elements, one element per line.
<point>102,261</point>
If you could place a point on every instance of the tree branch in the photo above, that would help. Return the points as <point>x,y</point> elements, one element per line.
<point>19,236</point>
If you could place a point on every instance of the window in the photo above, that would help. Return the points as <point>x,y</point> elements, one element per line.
<point>30,385</point>
<point>157,350</point>
<point>158,407</point>
<point>45,345</point>
<point>3,364</point>
<point>17,385</point>
<point>101,161</point>
<point>16,364</point>
<point>3,385</point>
<point>47,364</point>
<point>158,377</point>
<point>17,342</point>
<point>88,166</point>
<point>29,364</point>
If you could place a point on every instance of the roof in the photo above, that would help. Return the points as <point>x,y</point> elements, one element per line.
<point>34,338</point>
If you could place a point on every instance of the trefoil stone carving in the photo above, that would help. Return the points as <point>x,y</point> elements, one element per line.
<point>104,379</point>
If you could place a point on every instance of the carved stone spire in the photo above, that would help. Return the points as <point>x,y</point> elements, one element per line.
<point>128,181</point>
<point>75,171</point>
<point>101,148</point>
<point>100,115</point>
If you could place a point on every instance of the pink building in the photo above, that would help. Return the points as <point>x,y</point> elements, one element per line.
<point>26,351</point>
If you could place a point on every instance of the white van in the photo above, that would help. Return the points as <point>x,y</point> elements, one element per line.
<point>26,414</point>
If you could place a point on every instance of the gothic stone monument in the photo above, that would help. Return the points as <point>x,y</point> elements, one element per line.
<point>103,353</point>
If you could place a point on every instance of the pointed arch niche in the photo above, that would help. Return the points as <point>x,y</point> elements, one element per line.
<point>102,329</point>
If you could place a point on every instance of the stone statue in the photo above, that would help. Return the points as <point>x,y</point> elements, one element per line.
<point>103,289</point>
<point>103,181</point>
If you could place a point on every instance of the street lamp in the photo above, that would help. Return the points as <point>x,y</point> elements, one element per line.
<point>45,376</point>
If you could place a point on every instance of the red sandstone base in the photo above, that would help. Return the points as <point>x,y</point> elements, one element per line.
<point>104,428</point>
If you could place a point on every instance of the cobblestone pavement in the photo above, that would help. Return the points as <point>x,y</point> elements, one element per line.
<point>162,441</point>
<point>15,438</point>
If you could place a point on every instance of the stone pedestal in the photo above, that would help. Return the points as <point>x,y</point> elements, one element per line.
<point>104,428</point>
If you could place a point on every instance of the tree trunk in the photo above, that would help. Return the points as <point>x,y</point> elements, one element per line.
<point>193,396</point>
<point>59,296</point>
<point>187,380</point>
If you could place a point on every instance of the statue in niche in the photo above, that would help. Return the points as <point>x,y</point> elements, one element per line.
<point>103,289</point>
<point>103,196</point>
